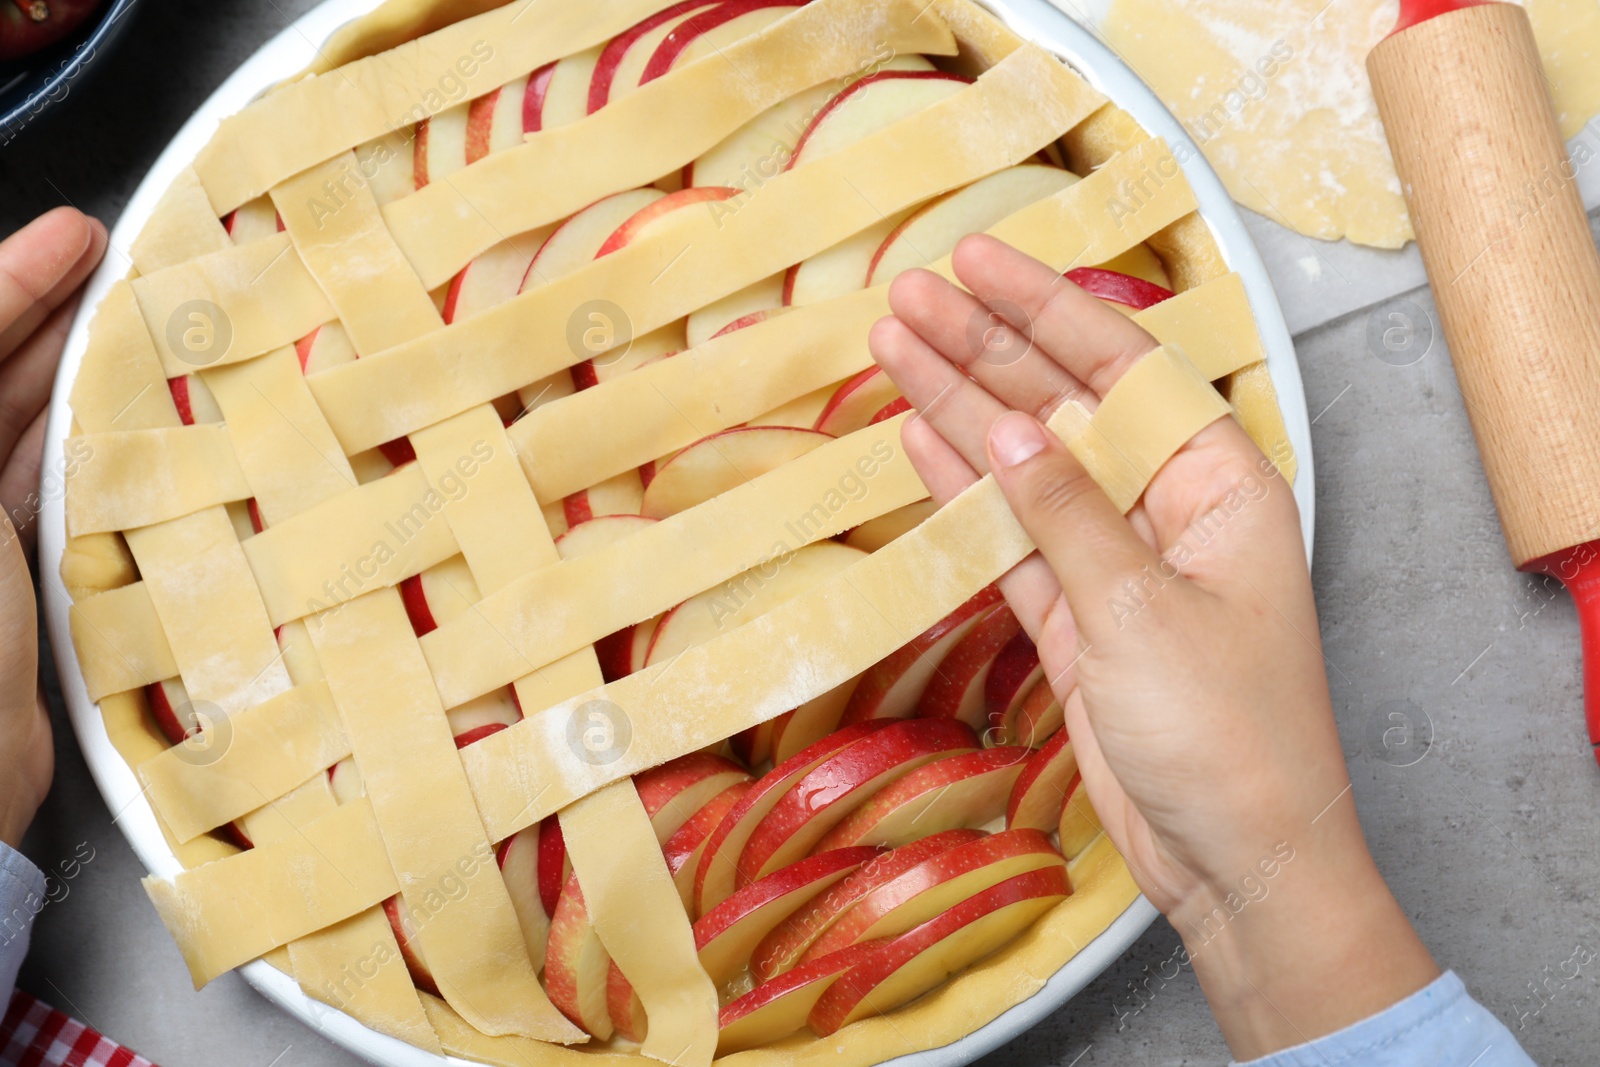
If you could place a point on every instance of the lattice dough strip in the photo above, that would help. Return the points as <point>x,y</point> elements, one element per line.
<point>652,131</point>
<point>120,385</point>
<point>692,257</point>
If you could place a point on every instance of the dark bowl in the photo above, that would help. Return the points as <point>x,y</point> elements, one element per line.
<point>33,85</point>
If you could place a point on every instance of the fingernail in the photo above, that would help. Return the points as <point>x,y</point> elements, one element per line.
<point>1015,438</point>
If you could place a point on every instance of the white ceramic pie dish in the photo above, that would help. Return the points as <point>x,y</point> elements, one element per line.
<point>290,51</point>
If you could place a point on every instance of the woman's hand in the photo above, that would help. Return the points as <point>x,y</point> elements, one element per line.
<point>1181,640</point>
<point>41,267</point>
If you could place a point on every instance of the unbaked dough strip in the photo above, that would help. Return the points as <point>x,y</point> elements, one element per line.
<point>232,910</point>
<point>142,477</point>
<point>120,642</point>
<point>282,442</point>
<point>651,131</point>
<point>120,385</point>
<point>181,227</point>
<point>1212,323</point>
<point>230,305</point>
<point>263,755</point>
<point>205,594</point>
<point>693,257</point>
<point>628,892</point>
<point>363,539</point>
<point>424,809</point>
<point>824,636</point>
<point>332,217</point>
<point>306,122</point>
<point>549,613</point>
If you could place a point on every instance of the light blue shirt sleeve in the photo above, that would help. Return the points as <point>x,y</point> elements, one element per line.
<point>1439,1024</point>
<point>22,894</point>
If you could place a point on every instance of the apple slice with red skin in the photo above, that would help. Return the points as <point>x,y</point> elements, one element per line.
<point>838,269</point>
<point>922,958</point>
<point>722,461</point>
<point>716,871</point>
<point>1015,672</point>
<point>1038,718</point>
<point>711,30</point>
<point>726,935</point>
<point>326,346</point>
<point>969,789</point>
<point>674,791</point>
<point>405,935</point>
<point>1114,287</point>
<point>563,97</point>
<point>892,687</point>
<point>554,865</point>
<point>619,495</point>
<point>252,221</point>
<point>178,721</point>
<point>779,1007</point>
<point>493,277</point>
<point>801,412</point>
<point>615,651</point>
<point>754,303</point>
<point>494,120</point>
<point>897,406</point>
<point>937,884</point>
<point>871,104</point>
<point>518,859</point>
<point>753,746</point>
<point>956,690</point>
<point>684,848</point>
<point>810,722</point>
<point>344,779</point>
<point>1041,789</point>
<point>854,404</point>
<point>576,965</point>
<point>875,533</point>
<point>841,784</point>
<point>781,949</point>
<point>440,146</point>
<point>477,733</point>
<point>578,239</point>
<point>1079,825</point>
<point>533,95</point>
<point>640,222</point>
<point>623,58</point>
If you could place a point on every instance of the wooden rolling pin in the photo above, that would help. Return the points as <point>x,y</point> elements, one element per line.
<point>1514,273</point>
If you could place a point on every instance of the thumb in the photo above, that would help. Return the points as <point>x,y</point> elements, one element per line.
<point>1081,534</point>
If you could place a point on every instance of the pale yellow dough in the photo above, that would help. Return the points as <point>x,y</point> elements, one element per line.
<point>1275,93</point>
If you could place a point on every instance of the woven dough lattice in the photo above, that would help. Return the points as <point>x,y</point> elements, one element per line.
<point>451,625</point>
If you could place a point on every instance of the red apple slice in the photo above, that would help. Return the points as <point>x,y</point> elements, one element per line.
<point>782,948</point>
<point>1015,673</point>
<point>641,221</point>
<point>801,412</point>
<point>564,96</point>
<point>576,965</point>
<point>841,784</point>
<point>439,594</point>
<point>405,935</point>
<point>518,857</point>
<point>932,231</point>
<point>1079,824</point>
<point>777,1008</point>
<point>716,872</point>
<point>684,848</point>
<point>622,61</point>
<point>747,596</point>
<point>726,935</point>
<point>838,269</point>
<point>344,778</point>
<point>494,277</point>
<point>1039,717</point>
<point>1114,287</point>
<point>481,716</point>
<point>746,307</point>
<point>965,790</point>
<point>440,148</point>
<point>673,792</point>
<point>1041,790</point>
<point>709,31</point>
<point>875,533</point>
<point>753,746</point>
<point>533,98</point>
<point>853,405</point>
<point>554,865</point>
<point>810,722</point>
<point>615,651</point>
<point>871,104</point>
<point>252,221</point>
<point>497,121</point>
<point>326,346</point>
<point>924,957</point>
<point>891,688</point>
<point>715,464</point>
<point>937,884</point>
<point>639,352</point>
<point>621,495</point>
<point>956,690</point>
<point>576,241</point>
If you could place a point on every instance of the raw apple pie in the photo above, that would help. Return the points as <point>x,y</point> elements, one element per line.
<point>492,546</point>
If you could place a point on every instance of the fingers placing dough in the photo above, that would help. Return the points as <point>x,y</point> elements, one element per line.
<point>40,265</point>
<point>1092,341</point>
<point>954,404</point>
<point>973,337</point>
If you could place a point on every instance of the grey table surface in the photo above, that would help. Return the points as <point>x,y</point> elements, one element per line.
<point>1489,838</point>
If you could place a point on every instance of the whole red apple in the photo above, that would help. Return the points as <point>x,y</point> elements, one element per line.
<point>26,26</point>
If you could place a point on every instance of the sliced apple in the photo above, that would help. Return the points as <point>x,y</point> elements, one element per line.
<point>800,412</point>
<point>1041,790</point>
<point>554,865</point>
<point>932,231</point>
<point>750,305</point>
<point>621,62</point>
<point>841,784</point>
<point>624,1006</point>
<point>925,956</point>
<point>439,594</point>
<point>753,746</point>
<point>838,269</point>
<point>726,935</point>
<point>326,346</point>
<point>482,716</point>
<point>684,848</point>
<point>854,403</point>
<point>493,277</point>
<point>651,215</point>
<point>936,885</point>
<point>956,691</point>
<point>576,965</point>
<point>518,858</point>
<point>673,792</point>
<point>495,120</point>
<point>778,1008</point>
<point>639,352</point>
<point>577,240</point>
<point>440,148</point>
<point>533,95</point>
<point>1015,673</point>
<point>1039,717</point>
<point>891,688</point>
<point>875,533</point>
<point>811,721</point>
<point>871,104</point>
<point>709,31</point>
<point>969,789</point>
<point>563,97</point>
<point>1127,292</point>
<point>344,778</point>
<point>715,464</point>
<point>717,870</point>
<point>1079,824</point>
<point>252,220</point>
<point>405,935</point>
<point>615,651</point>
<point>619,495</point>
<point>747,596</point>
<point>782,948</point>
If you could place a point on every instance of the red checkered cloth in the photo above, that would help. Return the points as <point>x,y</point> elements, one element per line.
<point>36,1035</point>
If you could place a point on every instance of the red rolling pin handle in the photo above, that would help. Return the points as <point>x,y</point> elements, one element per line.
<point>1415,11</point>
<point>1579,570</point>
